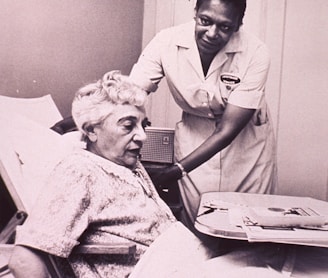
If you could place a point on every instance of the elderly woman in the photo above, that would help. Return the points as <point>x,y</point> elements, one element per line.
<point>99,195</point>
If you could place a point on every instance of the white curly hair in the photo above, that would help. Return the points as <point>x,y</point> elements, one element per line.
<point>94,102</point>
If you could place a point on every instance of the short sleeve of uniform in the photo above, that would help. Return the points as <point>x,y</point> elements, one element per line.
<point>249,93</point>
<point>148,71</point>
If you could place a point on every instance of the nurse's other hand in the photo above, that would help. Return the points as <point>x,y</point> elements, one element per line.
<point>166,176</point>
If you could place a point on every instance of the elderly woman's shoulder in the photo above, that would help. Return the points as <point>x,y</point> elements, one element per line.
<point>83,162</point>
<point>77,161</point>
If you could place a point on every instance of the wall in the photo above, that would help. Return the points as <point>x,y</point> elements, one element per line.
<point>296,90</point>
<point>303,114</point>
<point>296,34</point>
<point>56,46</point>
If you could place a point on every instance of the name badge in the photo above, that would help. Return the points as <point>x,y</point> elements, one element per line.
<point>229,78</point>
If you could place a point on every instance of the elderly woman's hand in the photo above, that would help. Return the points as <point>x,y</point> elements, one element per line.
<point>166,176</point>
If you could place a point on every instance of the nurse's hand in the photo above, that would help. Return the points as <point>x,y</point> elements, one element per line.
<point>167,176</point>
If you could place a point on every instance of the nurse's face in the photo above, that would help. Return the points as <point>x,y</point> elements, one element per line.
<point>215,23</point>
<point>121,135</point>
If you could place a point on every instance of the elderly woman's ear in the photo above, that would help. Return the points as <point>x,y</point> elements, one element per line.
<point>91,134</point>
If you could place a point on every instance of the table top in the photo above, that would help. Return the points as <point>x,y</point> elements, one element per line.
<point>217,223</point>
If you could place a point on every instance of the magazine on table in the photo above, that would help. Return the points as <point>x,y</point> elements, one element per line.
<point>294,225</point>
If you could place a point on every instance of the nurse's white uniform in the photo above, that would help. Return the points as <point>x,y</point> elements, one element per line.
<point>237,75</point>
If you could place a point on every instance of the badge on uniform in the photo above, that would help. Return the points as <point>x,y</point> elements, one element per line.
<point>230,78</point>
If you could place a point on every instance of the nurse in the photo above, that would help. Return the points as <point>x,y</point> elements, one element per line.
<point>216,73</point>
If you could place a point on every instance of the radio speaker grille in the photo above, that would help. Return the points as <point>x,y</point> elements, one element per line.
<point>158,146</point>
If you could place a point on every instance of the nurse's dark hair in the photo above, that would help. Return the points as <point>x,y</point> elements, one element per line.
<point>240,5</point>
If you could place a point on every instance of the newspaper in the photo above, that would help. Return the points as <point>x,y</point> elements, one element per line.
<point>302,226</point>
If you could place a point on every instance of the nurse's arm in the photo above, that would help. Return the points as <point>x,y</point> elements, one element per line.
<point>234,119</point>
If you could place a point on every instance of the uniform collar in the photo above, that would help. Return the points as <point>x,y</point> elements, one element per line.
<point>186,35</point>
<point>236,43</point>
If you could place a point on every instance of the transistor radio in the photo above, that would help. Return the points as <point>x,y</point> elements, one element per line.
<point>158,147</point>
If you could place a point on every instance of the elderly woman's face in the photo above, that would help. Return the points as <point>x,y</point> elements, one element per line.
<point>120,137</point>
